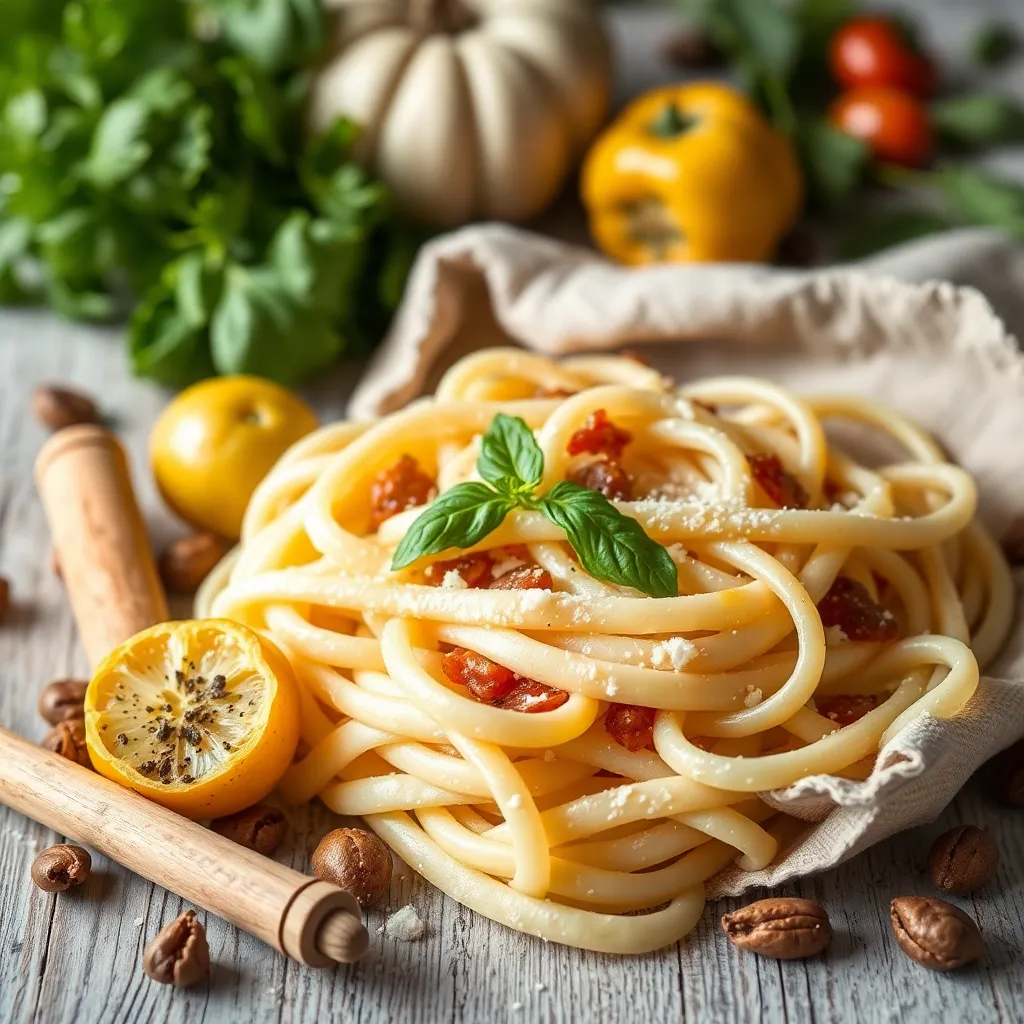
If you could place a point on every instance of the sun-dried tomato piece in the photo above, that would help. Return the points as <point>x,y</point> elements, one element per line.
<point>781,487</point>
<point>531,697</point>
<point>485,679</point>
<point>403,485</point>
<point>606,477</point>
<point>475,569</point>
<point>847,708</point>
<point>630,725</point>
<point>848,605</point>
<point>526,577</point>
<point>599,436</point>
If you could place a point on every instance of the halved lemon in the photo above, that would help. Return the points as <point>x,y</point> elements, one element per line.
<point>200,716</point>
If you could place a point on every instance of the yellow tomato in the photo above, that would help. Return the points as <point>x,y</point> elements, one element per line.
<point>217,440</point>
<point>200,716</point>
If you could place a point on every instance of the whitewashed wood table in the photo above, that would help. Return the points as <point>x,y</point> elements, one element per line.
<point>76,958</point>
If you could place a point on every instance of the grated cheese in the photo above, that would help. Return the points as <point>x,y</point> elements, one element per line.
<point>405,925</point>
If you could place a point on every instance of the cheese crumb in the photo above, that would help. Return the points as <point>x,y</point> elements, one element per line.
<point>677,652</point>
<point>405,925</point>
<point>453,581</point>
<point>139,922</point>
<point>753,697</point>
<point>835,635</point>
<point>540,986</point>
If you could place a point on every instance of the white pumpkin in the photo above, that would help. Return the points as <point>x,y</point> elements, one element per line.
<point>471,109</point>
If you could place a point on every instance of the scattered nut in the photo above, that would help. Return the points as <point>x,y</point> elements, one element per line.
<point>179,954</point>
<point>188,561</point>
<point>5,596</point>
<point>354,860</point>
<point>58,407</point>
<point>258,828</point>
<point>67,738</point>
<point>1009,775</point>
<point>60,867</point>
<point>963,859</point>
<point>934,933</point>
<point>691,49</point>
<point>62,700</point>
<point>785,928</point>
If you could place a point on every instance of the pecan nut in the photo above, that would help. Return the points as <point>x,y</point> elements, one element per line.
<point>179,954</point>
<point>59,407</point>
<point>786,928</point>
<point>934,933</point>
<point>67,738</point>
<point>963,859</point>
<point>60,867</point>
<point>354,860</point>
<point>186,562</point>
<point>1009,775</point>
<point>62,700</point>
<point>258,828</point>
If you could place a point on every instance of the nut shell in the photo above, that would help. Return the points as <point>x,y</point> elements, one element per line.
<point>963,859</point>
<point>934,933</point>
<point>260,828</point>
<point>61,867</point>
<point>354,860</point>
<point>62,700</point>
<point>785,928</point>
<point>178,955</point>
<point>58,407</point>
<point>67,738</point>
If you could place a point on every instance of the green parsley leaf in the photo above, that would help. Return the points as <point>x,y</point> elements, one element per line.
<point>833,162</point>
<point>994,44</point>
<point>979,198</point>
<point>872,234</point>
<point>611,546</point>
<point>510,458</point>
<point>459,518</point>
<point>978,121</point>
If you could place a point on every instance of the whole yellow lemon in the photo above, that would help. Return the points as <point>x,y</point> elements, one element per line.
<point>217,440</point>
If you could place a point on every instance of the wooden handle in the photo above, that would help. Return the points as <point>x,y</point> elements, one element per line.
<point>108,569</point>
<point>99,538</point>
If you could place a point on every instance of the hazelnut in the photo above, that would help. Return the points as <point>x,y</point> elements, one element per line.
<point>186,562</point>
<point>60,867</point>
<point>62,700</point>
<point>58,407</point>
<point>179,954</point>
<point>67,738</point>
<point>258,828</point>
<point>354,860</point>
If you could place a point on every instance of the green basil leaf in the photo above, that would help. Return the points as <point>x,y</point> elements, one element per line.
<point>611,546</point>
<point>994,44</point>
<point>979,198</point>
<point>459,518</point>
<point>833,162</point>
<point>119,146</point>
<point>979,121</point>
<point>872,234</point>
<point>164,345</point>
<point>509,454</point>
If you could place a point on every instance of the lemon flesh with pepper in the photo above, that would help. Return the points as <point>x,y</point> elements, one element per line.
<point>200,716</point>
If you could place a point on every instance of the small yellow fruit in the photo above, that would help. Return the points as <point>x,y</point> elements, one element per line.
<point>200,716</point>
<point>217,440</point>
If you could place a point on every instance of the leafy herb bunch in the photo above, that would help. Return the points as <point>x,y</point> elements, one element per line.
<point>153,152</point>
<point>611,546</point>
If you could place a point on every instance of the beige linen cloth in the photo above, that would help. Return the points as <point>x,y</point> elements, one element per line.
<point>934,351</point>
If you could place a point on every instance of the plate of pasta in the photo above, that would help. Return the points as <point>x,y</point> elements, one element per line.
<point>559,626</point>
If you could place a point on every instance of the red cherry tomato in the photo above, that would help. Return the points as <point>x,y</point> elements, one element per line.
<point>874,51</point>
<point>893,124</point>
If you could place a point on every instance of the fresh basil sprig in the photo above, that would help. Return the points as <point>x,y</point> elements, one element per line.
<point>610,546</point>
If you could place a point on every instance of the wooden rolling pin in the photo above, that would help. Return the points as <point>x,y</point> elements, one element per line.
<point>101,545</point>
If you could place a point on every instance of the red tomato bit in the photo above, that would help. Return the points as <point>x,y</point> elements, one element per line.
<point>606,477</point>
<point>402,486</point>
<point>531,697</point>
<point>848,605</point>
<point>475,569</point>
<point>599,436</point>
<point>845,709</point>
<point>526,577</point>
<point>630,725</point>
<point>781,487</point>
<point>485,679</point>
